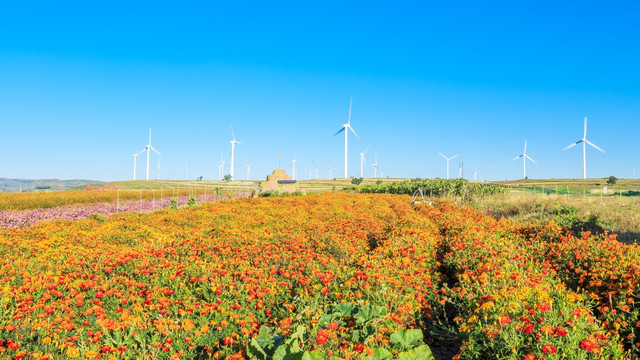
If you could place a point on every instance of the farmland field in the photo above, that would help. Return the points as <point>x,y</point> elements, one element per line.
<point>342,276</point>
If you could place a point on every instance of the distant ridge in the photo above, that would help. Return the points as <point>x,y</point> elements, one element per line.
<point>28,185</point>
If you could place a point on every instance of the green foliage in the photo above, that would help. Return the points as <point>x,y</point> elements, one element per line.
<point>192,201</point>
<point>174,204</point>
<point>456,188</point>
<point>612,180</point>
<point>356,181</point>
<point>227,177</point>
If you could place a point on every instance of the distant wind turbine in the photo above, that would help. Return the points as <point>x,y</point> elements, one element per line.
<point>375,167</point>
<point>362,161</point>
<point>148,149</point>
<point>584,142</point>
<point>346,128</point>
<point>316,167</point>
<point>135,160</point>
<point>293,163</point>
<point>233,145</point>
<point>158,173</point>
<point>221,166</point>
<point>446,158</point>
<point>248,166</point>
<point>330,177</point>
<point>524,157</point>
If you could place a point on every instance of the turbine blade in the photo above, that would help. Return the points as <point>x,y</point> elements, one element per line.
<point>367,149</point>
<point>516,158</point>
<point>455,156</point>
<point>572,145</point>
<point>525,146</point>
<point>350,102</point>
<point>441,154</point>
<point>143,150</point>
<point>594,145</point>
<point>156,151</point>
<point>529,157</point>
<point>585,127</point>
<point>354,133</point>
<point>232,134</point>
<point>339,131</point>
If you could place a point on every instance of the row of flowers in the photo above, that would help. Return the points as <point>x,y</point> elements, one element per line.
<point>337,276</point>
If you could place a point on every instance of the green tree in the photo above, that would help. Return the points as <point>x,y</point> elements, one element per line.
<point>612,180</point>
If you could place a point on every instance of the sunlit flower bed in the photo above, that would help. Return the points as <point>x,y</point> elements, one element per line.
<point>342,276</point>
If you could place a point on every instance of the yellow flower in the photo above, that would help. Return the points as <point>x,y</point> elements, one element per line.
<point>73,352</point>
<point>90,354</point>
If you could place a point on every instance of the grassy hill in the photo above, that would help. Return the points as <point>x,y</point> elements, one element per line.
<point>16,185</point>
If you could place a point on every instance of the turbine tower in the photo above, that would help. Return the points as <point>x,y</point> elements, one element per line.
<point>233,145</point>
<point>375,167</point>
<point>446,158</point>
<point>148,149</point>
<point>221,166</point>
<point>135,160</point>
<point>293,163</point>
<point>346,128</point>
<point>316,167</point>
<point>362,160</point>
<point>584,142</point>
<point>248,166</point>
<point>524,157</point>
<point>158,171</point>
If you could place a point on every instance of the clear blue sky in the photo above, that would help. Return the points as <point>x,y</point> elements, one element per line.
<point>82,82</point>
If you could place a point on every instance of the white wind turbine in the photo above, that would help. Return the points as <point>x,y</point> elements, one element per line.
<point>293,163</point>
<point>148,149</point>
<point>316,167</point>
<point>221,166</point>
<point>346,128</point>
<point>524,157</point>
<point>158,171</point>
<point>584,142</point>
<point>233,145</point>
<point>451,158</point>
<point>375,167</point>
<point>362,161</point>
<point>135,161</point>
<point>330,170</point>
<point>248,166</point>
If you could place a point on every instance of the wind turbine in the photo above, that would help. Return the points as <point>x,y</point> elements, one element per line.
<point>233,145</point>
<point>293,163</point>
<point>316,167</point>
<point>451,158</point>
<point>524,157</point>
<point>148,149</point>
<point>158,173</point>
<point>330,170</point>
<point>375,167</point>
<point>362,161</point>
<point>584,142</point>
<point>248,170</point>
<point>346,128</point>
<point>135,160</point>
<point>221,166</point>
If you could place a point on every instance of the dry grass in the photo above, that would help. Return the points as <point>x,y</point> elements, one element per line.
<point>620,216</point>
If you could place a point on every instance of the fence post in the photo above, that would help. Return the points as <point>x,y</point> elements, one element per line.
<point>567,191</point>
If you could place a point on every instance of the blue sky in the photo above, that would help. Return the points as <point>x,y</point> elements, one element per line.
<point>82,82</point>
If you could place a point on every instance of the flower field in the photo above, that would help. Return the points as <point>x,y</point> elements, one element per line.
<point>337,276</point>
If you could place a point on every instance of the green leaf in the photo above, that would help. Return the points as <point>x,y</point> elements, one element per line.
<point>420,353</point>
<point>407,338</point>
<point>255,351</point>
<point>314,355</point>
<point>283,352</point>
<point>344,309</point>
<point>381,354</point>
<point>365,314</point>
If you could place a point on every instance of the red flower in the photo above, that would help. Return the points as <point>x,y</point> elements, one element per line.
<point>549,349</point>
<point>588,345</point>
<point>561,332</point>
<point>529,357</point>
<point>321,340</point>
<point>527,328</point>
<point>504,319</point>
<point>333,326</point>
